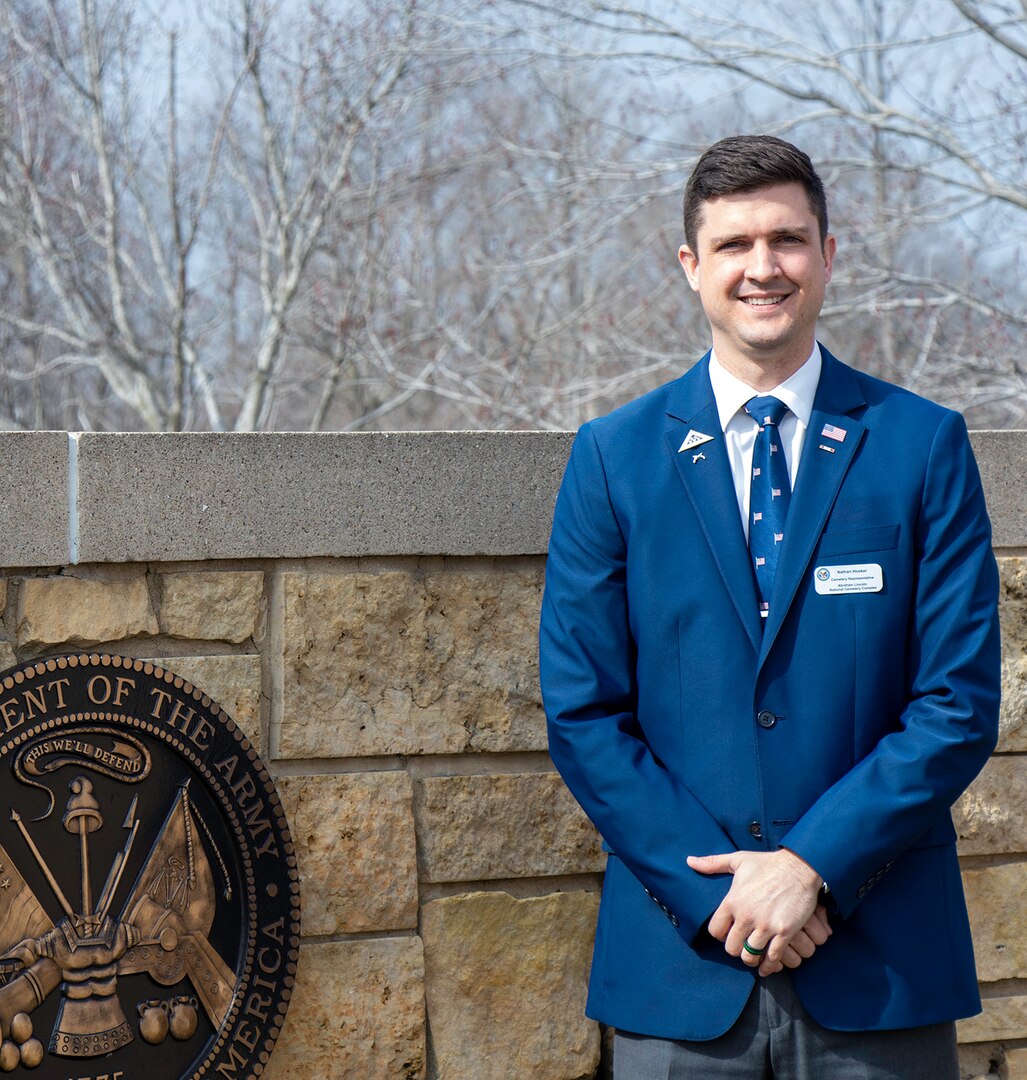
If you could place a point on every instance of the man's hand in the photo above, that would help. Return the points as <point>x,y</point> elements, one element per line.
<point>772,904</point>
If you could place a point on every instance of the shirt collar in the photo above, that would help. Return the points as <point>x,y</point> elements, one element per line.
<point>797,391</point>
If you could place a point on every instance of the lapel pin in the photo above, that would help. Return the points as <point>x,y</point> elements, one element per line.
<point>829,449</point>
<point>832,432</point>
<point>698,457</point>
<point>693,439</point>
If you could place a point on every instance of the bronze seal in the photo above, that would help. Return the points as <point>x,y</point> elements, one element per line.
<point>149,896</point>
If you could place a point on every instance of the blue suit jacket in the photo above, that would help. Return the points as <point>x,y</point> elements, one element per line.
<point>844,728</point>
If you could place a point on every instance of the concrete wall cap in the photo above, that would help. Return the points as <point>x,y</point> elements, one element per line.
<point>34,520</point>
<point>296,495</point>
<point>1002,457</point>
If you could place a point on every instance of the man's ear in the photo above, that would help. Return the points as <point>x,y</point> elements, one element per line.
<point>690,265</point>
<point>830,247</point>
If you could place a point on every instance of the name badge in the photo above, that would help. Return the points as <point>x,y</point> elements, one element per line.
<point>856,578</point>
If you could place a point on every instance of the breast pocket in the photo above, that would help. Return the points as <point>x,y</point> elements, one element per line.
<point>854,562</point>
<point>853,541</point>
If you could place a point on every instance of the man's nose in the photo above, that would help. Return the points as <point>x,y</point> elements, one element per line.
<point>763,263</point>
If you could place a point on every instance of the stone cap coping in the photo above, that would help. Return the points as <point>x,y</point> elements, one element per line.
<point>180,497</point>
<point>228,496</point>
<point>1002,459</point>
<point>34,515</point>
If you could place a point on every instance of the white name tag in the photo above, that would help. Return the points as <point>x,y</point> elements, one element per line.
<point>857,578</point>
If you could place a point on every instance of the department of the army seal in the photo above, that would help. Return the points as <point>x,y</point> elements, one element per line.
<point>149,896</point>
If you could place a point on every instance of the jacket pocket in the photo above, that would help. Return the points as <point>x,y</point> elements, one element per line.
<point>850,541</point>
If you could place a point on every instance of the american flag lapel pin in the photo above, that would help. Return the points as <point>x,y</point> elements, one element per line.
<point>832,432</point>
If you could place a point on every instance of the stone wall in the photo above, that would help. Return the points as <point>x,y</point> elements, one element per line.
<point>365,607</point>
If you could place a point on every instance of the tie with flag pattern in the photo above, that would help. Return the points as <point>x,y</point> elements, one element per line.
<point>769,493</point>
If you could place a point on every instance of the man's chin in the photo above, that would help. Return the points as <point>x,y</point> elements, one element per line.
<point>769,346</point>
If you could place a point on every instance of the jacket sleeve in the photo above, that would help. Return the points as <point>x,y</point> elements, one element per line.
<point>587,663</point>
<point>949,726</point>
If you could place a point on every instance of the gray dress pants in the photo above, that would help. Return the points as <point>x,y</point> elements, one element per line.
<point>776,1039</point>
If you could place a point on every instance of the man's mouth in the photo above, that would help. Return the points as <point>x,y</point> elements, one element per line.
<point>762,301</point>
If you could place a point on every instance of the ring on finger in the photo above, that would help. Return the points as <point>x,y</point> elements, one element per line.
<point>751,951</point>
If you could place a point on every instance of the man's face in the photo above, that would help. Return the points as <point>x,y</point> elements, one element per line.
<point>760,273</point>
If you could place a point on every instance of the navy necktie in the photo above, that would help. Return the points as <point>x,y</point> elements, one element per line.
<point>769,493</point>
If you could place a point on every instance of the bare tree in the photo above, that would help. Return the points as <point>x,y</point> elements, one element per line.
<point>102,276</point>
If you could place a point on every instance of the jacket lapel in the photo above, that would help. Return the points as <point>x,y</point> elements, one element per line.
<point>706,475</point>
<point>819,477</point>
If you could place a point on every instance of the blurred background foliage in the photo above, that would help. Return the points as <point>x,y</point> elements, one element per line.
<point>246,215</point>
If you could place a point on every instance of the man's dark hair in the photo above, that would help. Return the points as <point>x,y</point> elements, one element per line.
<point>746,163</point>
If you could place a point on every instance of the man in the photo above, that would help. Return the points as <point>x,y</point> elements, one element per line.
<point>769,653</point>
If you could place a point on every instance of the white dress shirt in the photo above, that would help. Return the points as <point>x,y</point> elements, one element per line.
<point>797,392</point>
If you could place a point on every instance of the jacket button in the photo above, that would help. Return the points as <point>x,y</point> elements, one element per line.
<point>756,829</point>
<point>766,719</point>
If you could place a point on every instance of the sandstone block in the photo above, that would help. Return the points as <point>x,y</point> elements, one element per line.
<point>81,611</point>
<point>1013,605</point>
<point>1003,1018</point>
<point>1013,713</point>
<point>976,1059</point>
<point>513,825</point>
<point>357,1011</point>
<point>214,606</point>
<point>7,656</point>
<point>403,663</point>
<point>354,837</point>
<point>1012,571</point>
<point>232,681</point>
<point>991,815</point>
<point>997,899</point>
<point>1014,1064</point>
<point>505,981</point>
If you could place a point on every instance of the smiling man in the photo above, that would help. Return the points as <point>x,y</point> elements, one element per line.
<point>770,663</point>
